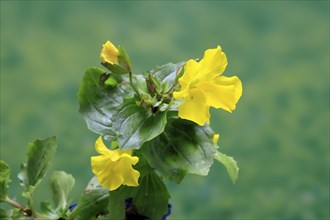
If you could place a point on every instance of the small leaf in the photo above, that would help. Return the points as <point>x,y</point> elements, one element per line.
<point>46,209</point>
<point>152,196</point>
<point>16,214</point>
<point>40,155</point>
<point>153,85</point>
<point>123,59</point>
<point>111,81</point>
<point>98,101</point>
<point>184,147</point>
<point>116,207</point>
<point>167,73</point>
<point>140,83</point>
<point>4,180</point>
<point>115,68</point>
<point>61,185</point>
<point>91,204</point>
<point>149,199</point>
<point>229,163</point>
<point>93,184</point>
<point>135,125</point>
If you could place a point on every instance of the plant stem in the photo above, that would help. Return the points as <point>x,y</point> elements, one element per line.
<point>178,71</point>
<point>132,85</point>
<point>28,212</point>
<point>14,203</point>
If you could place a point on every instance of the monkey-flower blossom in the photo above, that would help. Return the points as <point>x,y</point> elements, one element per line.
<point>109,53</point>
<point>202,86</point>
<point>113,168</point>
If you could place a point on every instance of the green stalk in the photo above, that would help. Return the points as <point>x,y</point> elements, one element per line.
<point>132,85</point>
<point>25,210</point>
<point>15,204</point>
<point>28,212</point>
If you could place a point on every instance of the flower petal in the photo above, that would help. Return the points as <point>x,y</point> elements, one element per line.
<point>105,171</point>
<point>130,175</point>
<point>117,154</point>
<point>223,92</point>
<point>109,53</point>
<point>189,75</point>
<point>114,167</point>
<point>127,156</point>
<point>194,107</point>
<point>100,147</point>
<point>180,95</point>
<point>213,64</point>
<point>235,81</point>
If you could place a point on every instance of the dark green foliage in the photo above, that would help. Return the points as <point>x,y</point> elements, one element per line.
<point>184,147</point>
<point>4,180</point>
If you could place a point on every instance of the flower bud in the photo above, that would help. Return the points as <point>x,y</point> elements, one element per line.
<point>115,59</point>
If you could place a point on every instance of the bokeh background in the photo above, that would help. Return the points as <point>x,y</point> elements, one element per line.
<point>279,133</point>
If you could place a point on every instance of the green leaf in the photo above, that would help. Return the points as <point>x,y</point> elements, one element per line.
<point>61,185</point>
<point>15,214</point>
<point>134,125</point>
<point>152,197</point>
<point>48,211</point>
<point>93,184</point>
<point>4,214</point>
<point>4,180</point>
<point>140,83</point>
<point>123,59</point>
<point>153,85</point>
<point>117,202</point>
<point>40,155</point>
<point>115,68</point>
<point>183,147</point>
<point>229,163</point>
<point>111,81</point>
<point>98,101</point>
<point>91,204</point>
<point>167,73</point>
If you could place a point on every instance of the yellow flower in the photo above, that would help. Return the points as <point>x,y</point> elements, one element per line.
<point>113,168</point>
<point>203,86</point>
<point>109,53</point>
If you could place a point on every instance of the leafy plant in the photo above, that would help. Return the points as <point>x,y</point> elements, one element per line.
<point>155,126</point>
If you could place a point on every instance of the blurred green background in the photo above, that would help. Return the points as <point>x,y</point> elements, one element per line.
<point>279,133</point>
